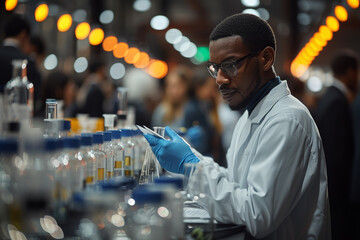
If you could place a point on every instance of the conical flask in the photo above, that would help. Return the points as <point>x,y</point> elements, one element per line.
<point>151,167</point>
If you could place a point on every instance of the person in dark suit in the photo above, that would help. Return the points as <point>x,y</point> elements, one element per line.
<point>334,120</point>
<point>16,38</point>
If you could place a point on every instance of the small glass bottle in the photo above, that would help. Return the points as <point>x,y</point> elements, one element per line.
<point>87,155</point>
<point>29,87</point>
<point>129,152</point>
<point>8,184</point>
<point>51,123</point>
<point>146,216</point>
<point>172,187</point>
<point>100,155</point>
<point>140,149</point>
<point>108,149</point>
<point>75,167</point>
<point>119,153</point>
<point>36,184</point>
<point>65,128</point>
<point>16,95</point>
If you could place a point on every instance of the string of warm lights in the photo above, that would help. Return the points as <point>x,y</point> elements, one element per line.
<point>131,55</point>
<point>320,39</point>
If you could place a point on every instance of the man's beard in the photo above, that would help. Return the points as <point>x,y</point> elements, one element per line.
<point>241,106</point>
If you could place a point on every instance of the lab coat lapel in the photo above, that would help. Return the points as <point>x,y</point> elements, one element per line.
<point>266,104</point>
<point>259,112</point>
<point>244,130</point>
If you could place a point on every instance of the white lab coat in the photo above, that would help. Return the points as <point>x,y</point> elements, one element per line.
<point>276,181</point>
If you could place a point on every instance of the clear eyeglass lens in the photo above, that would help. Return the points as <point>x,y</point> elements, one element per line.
<point>212,70</point>
<point>230,69</point>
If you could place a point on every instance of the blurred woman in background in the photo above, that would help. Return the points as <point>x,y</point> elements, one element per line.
<point>170,111</point>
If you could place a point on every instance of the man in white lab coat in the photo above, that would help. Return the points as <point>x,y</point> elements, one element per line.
<point>276,182</point>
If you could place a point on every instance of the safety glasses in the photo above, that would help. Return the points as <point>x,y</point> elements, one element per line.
<point>229,67</point>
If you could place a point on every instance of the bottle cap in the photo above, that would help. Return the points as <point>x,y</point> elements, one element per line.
<point>71,142</point>
<point>51,144</point>
<point>86,140</point>
<point>66,125</point>
<point>126,132</point>
<point>143,195</point>
<point>177,182</point>
<point>107,136</point>
<point>8,145</point>
<point>115,134</point>
<point>98,138</point>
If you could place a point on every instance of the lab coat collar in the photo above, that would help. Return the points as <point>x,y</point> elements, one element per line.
<point>265,105</point>
<point>262,92</point>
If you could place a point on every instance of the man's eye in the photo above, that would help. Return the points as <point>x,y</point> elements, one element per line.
<point>227,65</point>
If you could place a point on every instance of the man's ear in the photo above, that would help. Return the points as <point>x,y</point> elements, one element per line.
<point>267,58</point>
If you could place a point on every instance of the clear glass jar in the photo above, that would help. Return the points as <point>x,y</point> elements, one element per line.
<point>108,149</point>
<point>36,185</point>
<point>74,172</point>
<point>8,178</point>
<point>86,154</point>
<point>100,155</point>
<point>119,153</point>
<point>146,216</point>
<point>129,152</point>
<point>140,149</point>
<point>16,95</point>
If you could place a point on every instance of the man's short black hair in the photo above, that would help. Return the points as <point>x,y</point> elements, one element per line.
<point>16,25</point>
<point>342,62</point>
<point>254,31</point>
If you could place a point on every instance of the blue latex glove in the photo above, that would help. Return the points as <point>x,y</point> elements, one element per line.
<point>197,138</point>
<point>172,154</point>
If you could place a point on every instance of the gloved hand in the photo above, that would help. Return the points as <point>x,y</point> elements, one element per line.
<point>172,154</point>
<point>197,138</point>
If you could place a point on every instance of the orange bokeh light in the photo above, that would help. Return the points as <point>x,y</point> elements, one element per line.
<point>298,69</point>
<point>131,55</point>
<point>41,12</point>
<point>306,56</point>
<point>143,60</point>
<point>353,3</point>
<point>332,23</point>
<point>82,30</point>
<point>311,52</point>
<point>157,68</point>
<point>96,36</point>
<point>325,32</point>
<point>109,43</point>
<point>64,22</point>
<point>319,40</point>
<point>10,5</point>
<point>120,49</point>
<point>341,13</point>
<point>314,45</point>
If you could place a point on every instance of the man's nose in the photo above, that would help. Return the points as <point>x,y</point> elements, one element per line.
<point>222,78</point>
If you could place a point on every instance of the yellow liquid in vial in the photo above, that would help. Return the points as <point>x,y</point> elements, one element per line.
<point>127,173</point>
<point>101,174</point>
<point>127,161</point>
<point>109,175</point>
<point>89,179</point>
<point>118,164</point>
